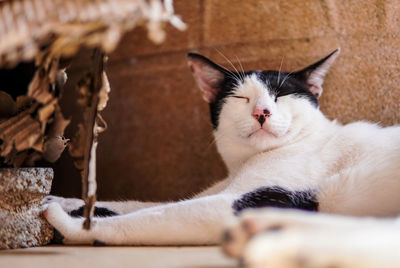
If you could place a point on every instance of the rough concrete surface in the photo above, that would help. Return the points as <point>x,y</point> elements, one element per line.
<point>159,145</point>
<point>21,221</point>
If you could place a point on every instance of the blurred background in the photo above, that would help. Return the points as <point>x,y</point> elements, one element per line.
<point>159,144</point>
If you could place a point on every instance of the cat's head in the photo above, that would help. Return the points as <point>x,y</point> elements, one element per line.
<point>262,109</point>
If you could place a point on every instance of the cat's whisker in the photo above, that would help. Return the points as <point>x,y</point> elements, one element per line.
<point>280,69</point>
<point>237,80</point>
<point>268,83</point>
<point>284,80</point>
<point>233,66</point>
<point>241,67</point>
<point>233,76</point>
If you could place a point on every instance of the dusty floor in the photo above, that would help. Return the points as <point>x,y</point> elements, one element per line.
<point>96,257</point>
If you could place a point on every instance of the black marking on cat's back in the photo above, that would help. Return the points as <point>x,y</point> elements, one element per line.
<point>98,243</point>
<point>276,197</point>
<point>98,212</point>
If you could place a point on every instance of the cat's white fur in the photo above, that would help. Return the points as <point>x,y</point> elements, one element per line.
<point>354,169</point>
<point>296,239</point>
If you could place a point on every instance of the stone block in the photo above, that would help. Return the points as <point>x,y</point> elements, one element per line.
<point>390,10</point>
<point>235,21</point>
<point>365,82</point>
<point>21,222</point>
<point>354,17</point>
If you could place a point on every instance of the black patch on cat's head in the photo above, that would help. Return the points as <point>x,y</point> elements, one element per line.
<point>98,212</point>
<point>282,83</point>
<point>276,197</point>
<point>227,89</point>
<point>217,83</point>
<point>214,81</point>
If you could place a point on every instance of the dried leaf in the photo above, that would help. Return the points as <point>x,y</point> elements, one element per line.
<point>8,107</point>
<point>37,130</point>
<point>45,112</point>
<point>77,147</point>
<point>61,78</point>
<point>44,79</point>
<point>103,93</point>
<point>55,142</point>
<point>31,158</point>
<point>101,125</point>
<point>53,148</point>
<point>84,91</point>
<point>17,159</point>
<point>57,127</point>
<point>24,102</point>
<point>20,132</point>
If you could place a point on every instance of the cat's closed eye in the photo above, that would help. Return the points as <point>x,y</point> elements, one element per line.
<point>241,97</point>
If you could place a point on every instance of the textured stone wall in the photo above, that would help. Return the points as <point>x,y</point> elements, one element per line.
<point>159,143</point>
<point>21,221</point>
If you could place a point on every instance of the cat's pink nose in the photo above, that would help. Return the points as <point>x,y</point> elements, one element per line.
<point>261,114</point>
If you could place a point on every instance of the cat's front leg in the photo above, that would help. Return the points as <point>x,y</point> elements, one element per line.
<point>67,204</point>
<point>190,222</point>
<point>74,206</point>
<point>69,227</point>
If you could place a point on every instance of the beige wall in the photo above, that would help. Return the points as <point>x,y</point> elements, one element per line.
<point>159,143</point>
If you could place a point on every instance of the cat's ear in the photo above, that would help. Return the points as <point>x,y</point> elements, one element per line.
<point>314,74</point>
<point>208,75</point>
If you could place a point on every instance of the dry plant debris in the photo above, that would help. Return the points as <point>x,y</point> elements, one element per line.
<point>93,90</point>
<point>32,125</point>
<point>66,25</point>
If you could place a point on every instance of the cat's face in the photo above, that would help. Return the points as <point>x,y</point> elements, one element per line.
<point>261,109</point>
<point>258,113</point>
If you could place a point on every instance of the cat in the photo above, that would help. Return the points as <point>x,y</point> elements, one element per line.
<point>280,151</point>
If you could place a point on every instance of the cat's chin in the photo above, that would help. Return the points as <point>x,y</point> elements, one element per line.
<point>264,139</point>
<point>262,132</point>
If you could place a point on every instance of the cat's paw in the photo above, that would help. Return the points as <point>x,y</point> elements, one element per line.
<point>279,249</point>
<point>70,228</point>
<point>67,204</point>
<point>256,221</point>
<point>298,248</point>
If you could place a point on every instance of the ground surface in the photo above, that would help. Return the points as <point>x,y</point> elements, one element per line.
<point>97,257</point>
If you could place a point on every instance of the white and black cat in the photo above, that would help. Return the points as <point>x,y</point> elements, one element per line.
<point>280,150</point>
